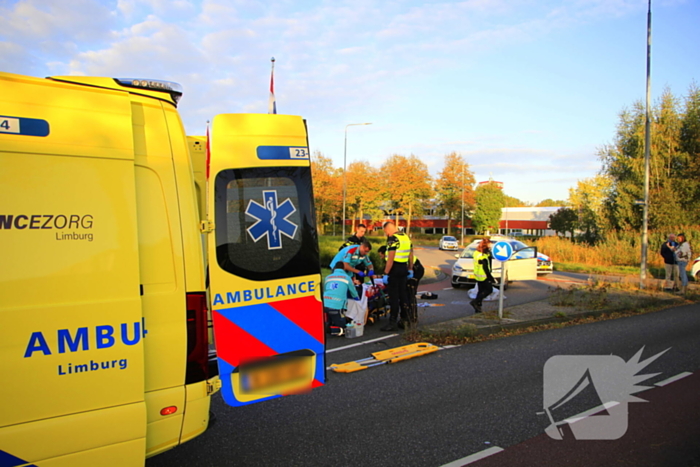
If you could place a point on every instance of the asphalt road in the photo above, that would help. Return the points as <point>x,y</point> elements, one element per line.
<point>439,408</point>
<point>454,302</point>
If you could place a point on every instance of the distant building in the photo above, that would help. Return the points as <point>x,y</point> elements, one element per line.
<point>527,221</point>
<point>514,221</point>
<point>498,184</point>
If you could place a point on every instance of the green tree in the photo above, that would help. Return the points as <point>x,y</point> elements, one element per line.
<point>673,182</point>
<point>689,187</point>
<point>327,185</point>
<point>587,200</point>
<point>512,202</point>
<point>408,185</point>
<point>564,220</point>
<point>361,198</point>
<point>551,203</point>
<point>454,181</point>
<point>489,202</point>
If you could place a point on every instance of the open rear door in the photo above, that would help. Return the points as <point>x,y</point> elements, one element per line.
<point>522,265</point>
<point>264,266</point>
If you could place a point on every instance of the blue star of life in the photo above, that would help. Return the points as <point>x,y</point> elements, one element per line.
<point>271,220</point>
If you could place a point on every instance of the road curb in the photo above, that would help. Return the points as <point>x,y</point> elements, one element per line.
<point>486,330</point>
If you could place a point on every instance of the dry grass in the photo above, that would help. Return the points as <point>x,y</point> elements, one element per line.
<point>596,301</point>
<point>618,248</point>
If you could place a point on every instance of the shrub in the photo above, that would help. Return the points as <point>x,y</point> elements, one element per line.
<point>621,248</point>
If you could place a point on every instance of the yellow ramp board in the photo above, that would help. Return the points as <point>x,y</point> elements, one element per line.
<point>386,356</point>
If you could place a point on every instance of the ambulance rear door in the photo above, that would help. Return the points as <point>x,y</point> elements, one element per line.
<point>263,257</point>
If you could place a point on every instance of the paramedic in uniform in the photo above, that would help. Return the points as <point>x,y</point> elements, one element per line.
<point>355,259</point>
<point>337,287</point>
<point>398,269</point>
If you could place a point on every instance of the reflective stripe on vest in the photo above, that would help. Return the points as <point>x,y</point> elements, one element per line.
<point>404,249</point>
<point>479,272</point>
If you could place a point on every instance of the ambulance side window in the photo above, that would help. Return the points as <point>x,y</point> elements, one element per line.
<point>264,223</point>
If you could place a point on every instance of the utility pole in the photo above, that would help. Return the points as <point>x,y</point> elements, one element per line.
<point>647,145</point>
<point>462,224</point>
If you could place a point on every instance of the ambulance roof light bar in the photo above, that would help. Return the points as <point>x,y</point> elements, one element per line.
<point>174,89</point>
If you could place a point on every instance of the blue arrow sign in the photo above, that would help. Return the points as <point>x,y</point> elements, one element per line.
<point>502,251</point>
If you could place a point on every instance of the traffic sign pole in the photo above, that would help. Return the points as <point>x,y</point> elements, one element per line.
<point>500,295</point>
<point>502,251</point>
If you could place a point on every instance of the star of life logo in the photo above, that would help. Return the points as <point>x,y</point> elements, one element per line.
<point>271,220</point>
<point>603,384</point>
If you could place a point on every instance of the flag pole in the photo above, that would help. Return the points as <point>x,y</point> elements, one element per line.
<point>272,105</point>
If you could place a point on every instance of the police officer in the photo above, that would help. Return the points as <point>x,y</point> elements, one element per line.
<point>482,273</point>
<point>418,271</point>
<point>356,239</point>
<point>397,271</point>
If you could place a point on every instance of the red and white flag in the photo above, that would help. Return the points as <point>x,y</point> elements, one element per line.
<point>272,105</point>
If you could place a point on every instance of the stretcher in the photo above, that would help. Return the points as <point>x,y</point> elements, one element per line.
<point>386,356</point>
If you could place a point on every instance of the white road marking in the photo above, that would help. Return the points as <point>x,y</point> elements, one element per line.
<point>673,378</point>
<point>337,349</point>
<point>474,457</point>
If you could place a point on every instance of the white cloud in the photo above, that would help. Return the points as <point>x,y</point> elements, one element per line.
<point>76,20</point>
<point>435,77</point>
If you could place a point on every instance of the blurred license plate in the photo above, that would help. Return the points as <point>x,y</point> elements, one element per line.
<point>471,276</point>
<point>286,375</point>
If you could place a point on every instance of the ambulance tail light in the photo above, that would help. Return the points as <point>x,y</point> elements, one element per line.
<point>197,338</point>
<point>168,410</point>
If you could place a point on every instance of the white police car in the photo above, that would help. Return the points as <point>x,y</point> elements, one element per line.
<point>544,264</point>
<point>522,265</point>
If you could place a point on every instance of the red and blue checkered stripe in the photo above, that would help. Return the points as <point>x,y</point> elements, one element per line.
<point>264,330</point>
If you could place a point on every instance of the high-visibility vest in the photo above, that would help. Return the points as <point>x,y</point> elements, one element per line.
<point>404,249</point>
<point>479,271</point>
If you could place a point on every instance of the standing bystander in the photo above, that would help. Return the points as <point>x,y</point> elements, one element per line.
<point>668,251</point>
<point>683,256</point>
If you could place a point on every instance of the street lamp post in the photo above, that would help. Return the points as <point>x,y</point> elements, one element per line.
<point>462,224</point>
<point>647,145</point>
<point>345,153</point>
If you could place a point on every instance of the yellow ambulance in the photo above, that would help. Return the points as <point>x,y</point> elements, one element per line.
<point>121,240</point>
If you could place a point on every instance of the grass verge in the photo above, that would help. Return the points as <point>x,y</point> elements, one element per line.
<point>601,301</point>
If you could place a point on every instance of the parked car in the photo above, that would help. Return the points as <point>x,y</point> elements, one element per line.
<point>544,264</point>
<point>695,272</point>
<point>448,243</point>
<point>522,265</point>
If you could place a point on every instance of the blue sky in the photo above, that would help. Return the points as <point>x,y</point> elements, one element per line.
<point>525,90</point>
